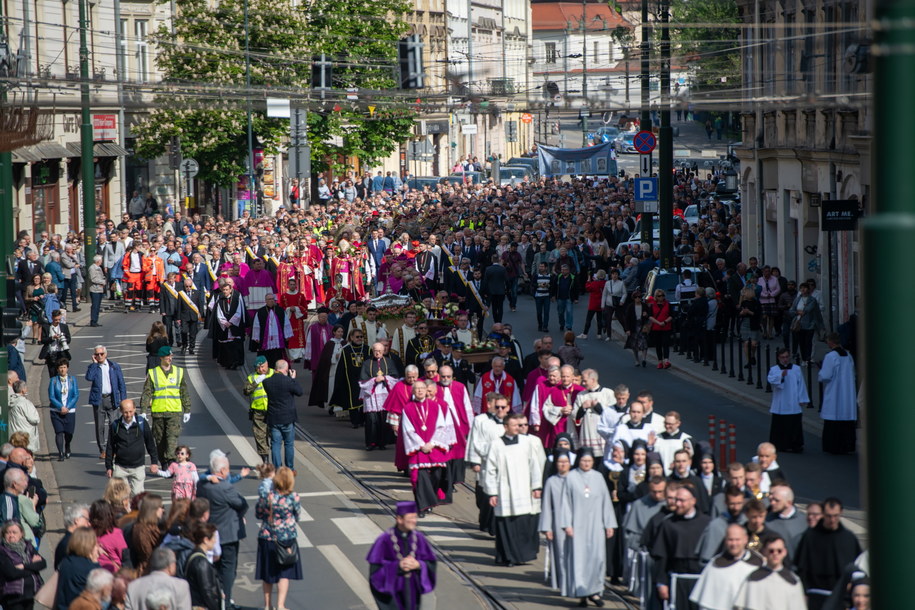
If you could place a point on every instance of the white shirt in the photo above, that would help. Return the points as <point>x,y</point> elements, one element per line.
<point>106,379</point>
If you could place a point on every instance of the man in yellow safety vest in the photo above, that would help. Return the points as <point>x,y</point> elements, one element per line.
<point>165,396</point>
<point>254,388</point>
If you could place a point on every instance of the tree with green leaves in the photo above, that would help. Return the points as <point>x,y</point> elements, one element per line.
<point>202,59</point>
<point>711,51</point>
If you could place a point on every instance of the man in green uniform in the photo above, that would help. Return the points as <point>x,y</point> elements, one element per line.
<point>254,388</point>
<point>166,397</point>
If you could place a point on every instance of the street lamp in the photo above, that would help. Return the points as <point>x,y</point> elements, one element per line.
<point>730,180</point>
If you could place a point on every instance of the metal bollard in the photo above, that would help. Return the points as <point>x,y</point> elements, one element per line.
<point>731,341</point>
<point>759,366</point>
<point>740,366</point>
<point>768,366</point>
<point>711,432</point>
<point>749,363</point>
<point>722,441</point>
<point>732,442</point>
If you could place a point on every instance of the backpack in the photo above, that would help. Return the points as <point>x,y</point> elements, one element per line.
<point>183,548</point>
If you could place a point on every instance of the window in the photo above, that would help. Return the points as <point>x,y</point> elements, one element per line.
<point>596,57</point>
<point>140,30</point>
<point>551,55</point>
<point>124,33</point>
<point>610,51</point>
<point>790,43</point>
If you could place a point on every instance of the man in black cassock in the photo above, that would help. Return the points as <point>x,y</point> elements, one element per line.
<point>823,553</point>
<point>349,371</point>
<point>419,347</point>
<point>675,548</point>
<point>227,325</point>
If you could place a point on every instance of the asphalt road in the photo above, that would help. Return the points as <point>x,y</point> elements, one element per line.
<point>347,492</point>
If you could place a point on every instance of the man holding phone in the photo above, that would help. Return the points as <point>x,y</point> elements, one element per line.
<point>105,395</point>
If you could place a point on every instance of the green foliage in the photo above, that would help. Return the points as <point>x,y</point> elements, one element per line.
<point>711,51</point>
<point>204,62</point>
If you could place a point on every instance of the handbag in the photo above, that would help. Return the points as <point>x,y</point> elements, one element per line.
<point>285,552</point>
<point>796,324</point>
<point>48,591</point>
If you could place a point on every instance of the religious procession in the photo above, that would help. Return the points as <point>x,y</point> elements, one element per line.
<point>388,317</point>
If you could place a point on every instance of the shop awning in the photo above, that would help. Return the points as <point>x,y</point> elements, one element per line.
<point>39,152</point>
<point>100,149</point>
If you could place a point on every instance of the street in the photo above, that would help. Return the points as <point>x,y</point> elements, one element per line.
<point>348,493</point>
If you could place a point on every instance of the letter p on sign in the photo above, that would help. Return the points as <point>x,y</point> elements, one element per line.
<point>646,189</point>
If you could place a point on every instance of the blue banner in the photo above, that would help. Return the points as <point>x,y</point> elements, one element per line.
<point>592,161</point>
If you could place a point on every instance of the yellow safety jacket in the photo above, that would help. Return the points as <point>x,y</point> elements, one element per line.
<point>259,397</point>
<point>166,396</point>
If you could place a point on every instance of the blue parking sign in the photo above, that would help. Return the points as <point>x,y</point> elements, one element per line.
<point>646,189</point>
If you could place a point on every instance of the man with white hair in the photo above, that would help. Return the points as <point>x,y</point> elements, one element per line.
<point>500,382</point>
<point>227,511</point>
<point>97,593</point>
<point>162,569</point>
<point>97,282</point>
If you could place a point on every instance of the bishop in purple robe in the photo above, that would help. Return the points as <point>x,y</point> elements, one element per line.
<point>402,565</point>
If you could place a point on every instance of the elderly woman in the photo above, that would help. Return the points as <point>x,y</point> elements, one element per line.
<point>24,415</point>
<point>82,558</point>
<point>20,568</point>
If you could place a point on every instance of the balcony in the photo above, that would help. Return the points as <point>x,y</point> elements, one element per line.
<point>501,86</point>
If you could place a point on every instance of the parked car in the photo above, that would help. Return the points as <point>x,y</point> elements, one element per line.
<point>607,133</point>
<point>513,174</point>
<point>667,280</point>
<point>623,143</point>
<point>466,177</point>
<point>420,182</point>
<point>531,162</point>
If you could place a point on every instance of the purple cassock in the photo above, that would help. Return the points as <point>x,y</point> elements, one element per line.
<point>392,588</point>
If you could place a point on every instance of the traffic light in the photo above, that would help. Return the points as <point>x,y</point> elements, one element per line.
<point>174,153</point>
<point>12,327</point>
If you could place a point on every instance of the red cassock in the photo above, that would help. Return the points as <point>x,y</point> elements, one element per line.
<point>296,320</point>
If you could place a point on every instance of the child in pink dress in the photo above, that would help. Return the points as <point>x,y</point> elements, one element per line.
<point>184,473</point>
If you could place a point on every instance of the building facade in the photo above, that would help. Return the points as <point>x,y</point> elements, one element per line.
<point>807,135</point>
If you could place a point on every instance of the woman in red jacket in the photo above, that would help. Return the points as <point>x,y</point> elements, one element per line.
<point>661,327</point>
<point>595,289</point>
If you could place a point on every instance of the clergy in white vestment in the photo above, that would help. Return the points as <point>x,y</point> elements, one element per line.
<point>670,441</point>
<point>513,480</point>
<point>588,412</point>
<point>635,428</point>
<point>404,334</point>
<point>774,586</point>
<point>486,428</point>
<point>374,329</point>
<point>551,510</point>
<point>840,402</point>
<point>588,520</point>
<point>725,573</point>
<point>789,397</point>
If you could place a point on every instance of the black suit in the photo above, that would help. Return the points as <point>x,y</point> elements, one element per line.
<point>190,320</point>
<point>25,271</point>
<point>494,280</point>
<point>168,309</point>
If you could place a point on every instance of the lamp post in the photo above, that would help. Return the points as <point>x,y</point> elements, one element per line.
<point>251,169</point>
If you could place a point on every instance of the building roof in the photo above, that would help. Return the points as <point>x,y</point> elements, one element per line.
<point>559,15</point>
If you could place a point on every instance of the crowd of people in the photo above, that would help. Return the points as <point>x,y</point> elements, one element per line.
<point>314,288</point>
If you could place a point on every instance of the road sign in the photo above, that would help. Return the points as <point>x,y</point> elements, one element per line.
<point>644,142</point>
<point>646,207</point>
<point>646,189</point>
<point>527,117</point>
<point>352,94</point>
<point>645,165</point>
<point>190,167</point>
